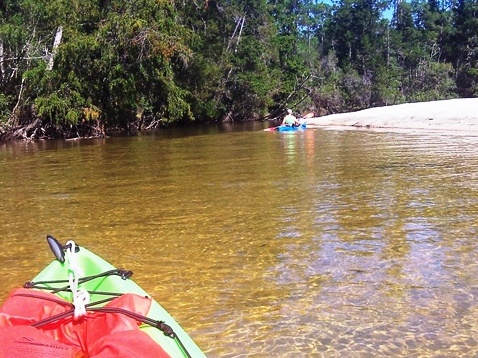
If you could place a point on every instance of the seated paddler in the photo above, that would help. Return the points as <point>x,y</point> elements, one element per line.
<point>290,120</point>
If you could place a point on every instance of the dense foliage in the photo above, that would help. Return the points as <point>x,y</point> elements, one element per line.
<point>78,68</point>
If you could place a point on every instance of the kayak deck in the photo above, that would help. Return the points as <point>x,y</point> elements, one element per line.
<point>118,282</point>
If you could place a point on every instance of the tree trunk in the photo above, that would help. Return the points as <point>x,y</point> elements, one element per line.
<point>56,43</point>
<point>13,120</point>
<point>2,68</point>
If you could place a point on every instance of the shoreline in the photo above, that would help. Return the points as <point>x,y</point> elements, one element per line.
<point>457,116</point>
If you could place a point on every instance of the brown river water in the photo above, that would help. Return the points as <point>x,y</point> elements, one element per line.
<point>321,243</point>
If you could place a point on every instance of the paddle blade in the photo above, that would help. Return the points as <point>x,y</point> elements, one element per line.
<point>309,115</point>
<point>270,129</point>
<point>56,248</point>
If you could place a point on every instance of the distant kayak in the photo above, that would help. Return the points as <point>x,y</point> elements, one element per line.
<point>81,305</point>
<point>284,128</point>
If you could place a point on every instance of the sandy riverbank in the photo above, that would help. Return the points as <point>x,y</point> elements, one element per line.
<point>455,115</point>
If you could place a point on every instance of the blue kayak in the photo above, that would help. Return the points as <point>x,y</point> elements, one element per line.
<point>283,128</point>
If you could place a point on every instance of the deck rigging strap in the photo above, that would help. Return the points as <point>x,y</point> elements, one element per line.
<point>125,274</point>
<point>80,296</point>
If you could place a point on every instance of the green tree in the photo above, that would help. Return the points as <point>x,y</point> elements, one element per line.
<point>230,74</point>
<point>357,35</point>
<point>464,53</point>
<point>115,65</point>
<point>420,33</point>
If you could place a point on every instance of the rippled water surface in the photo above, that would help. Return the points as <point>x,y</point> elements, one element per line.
<point>320,243</point>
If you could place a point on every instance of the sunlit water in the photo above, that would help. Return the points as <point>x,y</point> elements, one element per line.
<point>308,244</point>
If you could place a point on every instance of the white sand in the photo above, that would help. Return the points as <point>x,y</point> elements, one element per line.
<point>455,115</point>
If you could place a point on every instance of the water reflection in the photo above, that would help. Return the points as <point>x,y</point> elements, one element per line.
<point>313,243</point>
